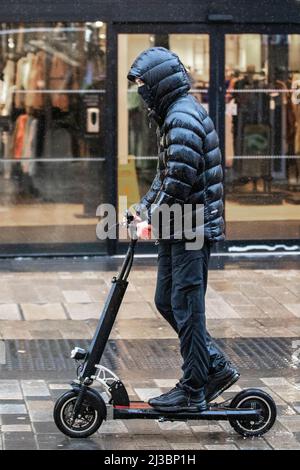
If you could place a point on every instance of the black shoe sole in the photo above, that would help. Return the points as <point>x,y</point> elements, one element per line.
<point>228,384</point>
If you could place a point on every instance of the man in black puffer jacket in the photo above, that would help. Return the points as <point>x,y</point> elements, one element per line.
<point>189,174</point>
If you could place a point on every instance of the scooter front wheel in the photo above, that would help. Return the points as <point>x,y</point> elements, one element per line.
<point>88,420</point>
<point>258,400</point>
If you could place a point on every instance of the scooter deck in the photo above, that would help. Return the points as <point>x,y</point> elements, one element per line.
<point>141,410</point>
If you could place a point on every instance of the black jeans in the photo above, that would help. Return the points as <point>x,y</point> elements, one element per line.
<point>180,298</point>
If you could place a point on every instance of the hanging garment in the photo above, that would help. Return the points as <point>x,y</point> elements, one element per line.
<point>22,171</point>
<point>23,71</point>
<point>297,130</point>
<point>288,129</point>
<point>36,82</point>
<point>7,145</point>
<point>20,41</point>
<point>19,97</point>
<point>30,146</point>
<point>19,135</point>
<point>7,88</point>
<point>229,150</point>
<point>60,79</point>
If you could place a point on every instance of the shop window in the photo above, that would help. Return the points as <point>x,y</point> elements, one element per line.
<point>262,136</point>
<point>52,90</point>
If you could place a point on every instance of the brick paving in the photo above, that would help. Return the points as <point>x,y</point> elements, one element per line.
<point>249,305</point>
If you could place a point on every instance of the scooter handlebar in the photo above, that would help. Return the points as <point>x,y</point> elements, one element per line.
<point>129,217</point>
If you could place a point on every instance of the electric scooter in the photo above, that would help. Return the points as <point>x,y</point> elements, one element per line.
<point>80,411</point>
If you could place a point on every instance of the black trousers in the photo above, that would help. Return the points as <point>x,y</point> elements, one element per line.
<point>180,298</point>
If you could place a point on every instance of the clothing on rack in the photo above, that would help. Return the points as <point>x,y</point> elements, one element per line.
<point>30,146</point>
<point>37,80</point>
<point>6,153</point>
<point>60,78</point>
<point>19,136</point>
<point>24,68</point>
<point>7,87</point>
<point>229,113</point>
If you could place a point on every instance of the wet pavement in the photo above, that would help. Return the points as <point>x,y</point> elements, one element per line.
<point>253,314</point>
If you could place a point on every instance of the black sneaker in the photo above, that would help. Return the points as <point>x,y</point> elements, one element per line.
<point>220,381</point>
<point>177,399</point>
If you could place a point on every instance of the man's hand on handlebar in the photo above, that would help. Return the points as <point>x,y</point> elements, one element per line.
<point>137,219</point>
<point>143,230</point>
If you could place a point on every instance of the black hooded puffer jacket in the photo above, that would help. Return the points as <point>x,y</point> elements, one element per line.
<point>189,167</point>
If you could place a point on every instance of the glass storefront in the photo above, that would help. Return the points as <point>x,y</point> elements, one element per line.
<point>74,132</point>
<point>262,136</point>
<point>52,90</point>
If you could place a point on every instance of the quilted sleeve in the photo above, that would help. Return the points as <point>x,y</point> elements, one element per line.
<point>184,141</point>
<point>143,207</point>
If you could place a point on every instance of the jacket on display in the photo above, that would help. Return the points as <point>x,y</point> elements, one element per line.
<point>59,79</point>
<point>6,88</point>
<point>36,82</point>
<point>189,167</point>
<point>24,71</point>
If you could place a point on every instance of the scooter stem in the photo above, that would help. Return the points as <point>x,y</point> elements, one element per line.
<point>127,263</point>
<point>107,318</point>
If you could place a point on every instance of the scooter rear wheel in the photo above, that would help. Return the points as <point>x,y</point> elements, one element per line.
<point>88,421</point>
<point>256,399</point>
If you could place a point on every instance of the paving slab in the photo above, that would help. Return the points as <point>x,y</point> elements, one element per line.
<point>10,312</point>
<point>10,390</point>
<point>76,296</point>
<point>34,388</point>
<point>40,410</point>
<point>53,311</point>
<point>16,409</point>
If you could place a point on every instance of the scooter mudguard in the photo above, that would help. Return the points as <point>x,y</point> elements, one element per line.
<point>119,395</point>
<point>93,397</point>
